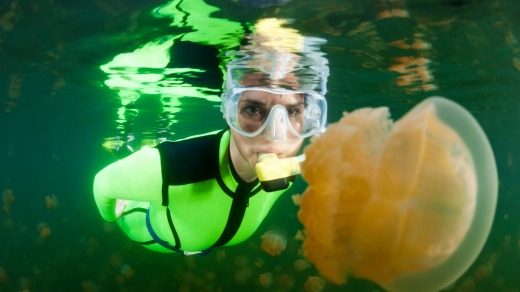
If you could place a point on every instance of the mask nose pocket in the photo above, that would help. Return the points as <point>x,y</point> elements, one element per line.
<point>277,124</point>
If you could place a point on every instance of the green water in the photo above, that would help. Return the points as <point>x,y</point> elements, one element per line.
<point>79,78</point>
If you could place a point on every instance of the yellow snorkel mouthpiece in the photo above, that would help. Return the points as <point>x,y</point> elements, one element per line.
<point>274,173</point>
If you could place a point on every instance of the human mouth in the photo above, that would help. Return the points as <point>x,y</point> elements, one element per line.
<point>269,150</point>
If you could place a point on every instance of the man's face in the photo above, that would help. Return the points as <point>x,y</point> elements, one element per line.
<point>254,109</point>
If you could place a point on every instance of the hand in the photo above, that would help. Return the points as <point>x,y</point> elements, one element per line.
<point>120,207</point>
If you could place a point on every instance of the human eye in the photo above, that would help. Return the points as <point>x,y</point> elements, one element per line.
<point>252,112</point>
<point>294,111</point>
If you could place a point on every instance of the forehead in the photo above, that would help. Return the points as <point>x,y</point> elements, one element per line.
<point>271,97</point>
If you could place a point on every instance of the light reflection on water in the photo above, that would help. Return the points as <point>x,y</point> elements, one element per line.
<point>81,77</point>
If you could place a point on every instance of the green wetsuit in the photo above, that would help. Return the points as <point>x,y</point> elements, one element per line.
<point>194,198</point>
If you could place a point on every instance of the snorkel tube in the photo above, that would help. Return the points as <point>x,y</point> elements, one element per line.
<point>274,173</point>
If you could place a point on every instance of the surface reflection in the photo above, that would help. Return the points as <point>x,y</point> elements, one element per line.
<point>176,71</point>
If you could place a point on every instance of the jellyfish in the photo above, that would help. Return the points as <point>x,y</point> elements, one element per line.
<point>7,223</point>
<point>259,263</point>
<point>109,227</point>
<point>296,198</point>
<point>220,255</point>
<point>299,235</point>
<point>7,200</point>
<point>210,276</point>
<point>242,276</point>
<point>190,262</point>
<point>44,230</point>
<point>116,260</point>
<point>120,279</point>
<point>273,242</point>
<point>406,205</point>
<point>285,282</point>
<point>266,280</point>
<point>6,21</point>
<point>127,271</point>
<point>51,201</point>
<point>301,265</point>
<point>25,284</point>
<point>89,286</point>
<point>241,261</point>
<point>314,284</point>
<point>3,275</point>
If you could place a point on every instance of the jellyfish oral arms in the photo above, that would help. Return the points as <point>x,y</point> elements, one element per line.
<point>395,203</point>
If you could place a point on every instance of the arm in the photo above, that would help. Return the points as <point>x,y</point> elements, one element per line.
<point>137,177</point>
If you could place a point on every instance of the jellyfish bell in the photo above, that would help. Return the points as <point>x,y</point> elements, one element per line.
<point>44,230</point>
<point>273,242</point>
<point>447,272</point>
<point>301,265</point>
<point>127,271</point>
<point>51,201</point>
<point>243,275</point>
<point>314,284</point>
<point>4,277</point>
<point>7,199</point>
<point>266,280</point>
<point>408,205</point>
<point>285,282</point>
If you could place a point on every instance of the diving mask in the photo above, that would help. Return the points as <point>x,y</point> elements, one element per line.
<point>279,114</point>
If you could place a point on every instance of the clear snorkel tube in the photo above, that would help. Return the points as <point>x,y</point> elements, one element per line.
<point>278,57</point>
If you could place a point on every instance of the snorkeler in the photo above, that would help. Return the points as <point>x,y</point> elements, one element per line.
<point>192,195</point>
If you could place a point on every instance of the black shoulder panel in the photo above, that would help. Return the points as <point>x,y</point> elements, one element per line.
<point>190,161</point>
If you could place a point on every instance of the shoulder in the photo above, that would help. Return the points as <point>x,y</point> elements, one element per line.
<point>191,160</point>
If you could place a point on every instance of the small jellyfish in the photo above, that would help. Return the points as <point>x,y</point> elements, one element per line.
<point>109,227</point>
<point>301,265</point>
<point>242,276</point>
<point>7,223</point>
<point>116,260</point>
<point>259,263</point>
<point>299,235</point>
<point>37,271</point>
<point>93,244</point>
<point>51,201</point>
<point>220,255</point>
<point>314,284</point>
<point>89,286</point>
<point>120,279</point>
<point>188,278</point>
<point>210,276</point>
<point>7,199</point>
<point>241,261</point>
<point>266,280</point>
<point>191,262</point>
<point>4,277</point>
<point>285,282</point>
<point>127,271</point>
<point>296,198</point>
<point>7,196</point>
<point>484,271</point>
<point>25,284</point>
<point>44,230</point>
<point>273,242</point>
<point>467,285</point>
<point>6,21</point>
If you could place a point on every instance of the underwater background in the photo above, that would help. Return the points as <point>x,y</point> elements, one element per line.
<point>83,82</point>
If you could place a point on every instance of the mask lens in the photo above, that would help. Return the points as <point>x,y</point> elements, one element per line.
<point>252,111</point>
